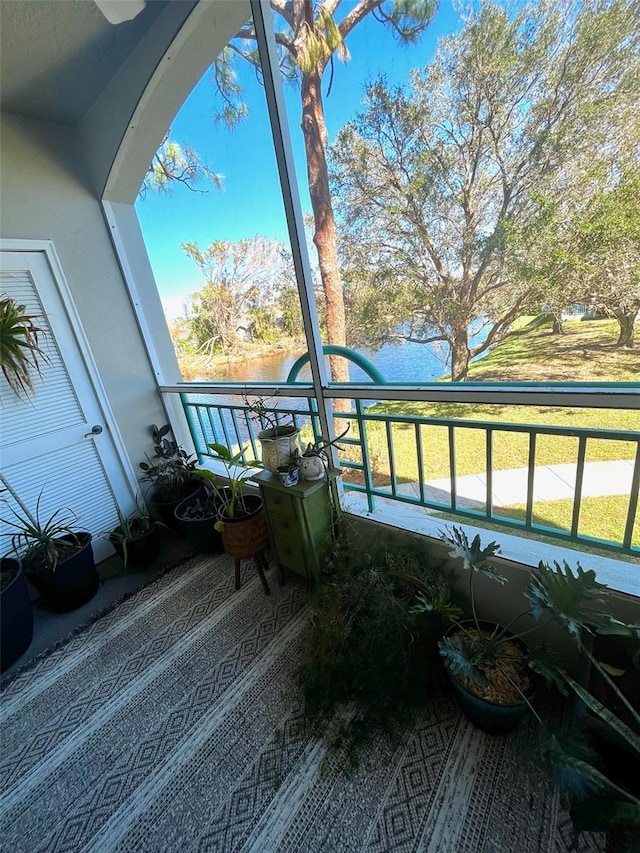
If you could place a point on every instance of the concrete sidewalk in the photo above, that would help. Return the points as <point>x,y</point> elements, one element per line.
<point>550,483</point>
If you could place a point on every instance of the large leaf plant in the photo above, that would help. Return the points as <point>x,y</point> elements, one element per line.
<point>581,606</point>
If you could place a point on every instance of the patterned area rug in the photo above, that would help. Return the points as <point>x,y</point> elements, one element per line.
<point>170,724</point>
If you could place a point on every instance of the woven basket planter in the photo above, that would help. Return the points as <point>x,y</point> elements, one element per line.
<point>246,535</point>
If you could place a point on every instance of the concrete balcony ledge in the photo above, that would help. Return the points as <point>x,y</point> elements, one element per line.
<point>620,574</point>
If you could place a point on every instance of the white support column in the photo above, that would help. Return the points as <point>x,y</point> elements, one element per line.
<point>293,210</point>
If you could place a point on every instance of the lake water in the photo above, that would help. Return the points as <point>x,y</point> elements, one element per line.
<point>411,363</point>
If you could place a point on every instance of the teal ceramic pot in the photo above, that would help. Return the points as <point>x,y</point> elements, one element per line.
<point>489,716</point>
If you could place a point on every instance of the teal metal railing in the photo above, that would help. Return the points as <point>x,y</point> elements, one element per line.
<point>220,413</point>
<point>235,425</point>
<point>424,493</point>
<point>371,467</point>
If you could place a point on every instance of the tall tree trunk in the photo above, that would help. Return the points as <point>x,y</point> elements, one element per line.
<point>558,324</point>
<point>315,144</point>
<point>459,356</point>
<point>626,321</point>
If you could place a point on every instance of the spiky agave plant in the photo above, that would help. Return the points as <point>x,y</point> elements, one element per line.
<point>40,543</point>
<point>20,349</point>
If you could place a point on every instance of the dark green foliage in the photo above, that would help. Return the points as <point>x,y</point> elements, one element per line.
<point>364,644</point>
<point>43,543</point>
<point>575,600</point>
<point>202,508</point>
<point>171,474</point>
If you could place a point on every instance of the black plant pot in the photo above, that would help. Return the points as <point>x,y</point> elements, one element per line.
<point>164,510</point>
<point>16,615</point>
<point>200,532</point>
<point>142,550</point>
<point>73,581</point>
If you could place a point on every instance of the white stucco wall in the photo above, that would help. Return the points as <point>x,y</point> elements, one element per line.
<point>52,178</point>
<point>44,196</point>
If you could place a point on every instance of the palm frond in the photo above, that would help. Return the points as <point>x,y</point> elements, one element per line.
<point>20,348</point>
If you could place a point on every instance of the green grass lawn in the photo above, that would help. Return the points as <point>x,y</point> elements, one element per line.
<point>599,517</point>
<point>606,515</point>
<point>584,353</point>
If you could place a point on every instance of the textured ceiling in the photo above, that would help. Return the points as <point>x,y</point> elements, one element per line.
<point>56,56</point>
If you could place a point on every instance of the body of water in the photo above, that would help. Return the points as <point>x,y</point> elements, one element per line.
<point>411,363</point>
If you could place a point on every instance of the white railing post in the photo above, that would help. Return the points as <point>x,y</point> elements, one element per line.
<point>267,50</point>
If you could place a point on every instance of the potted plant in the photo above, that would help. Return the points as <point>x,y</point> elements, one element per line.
<point>278,439</point>
<point>290,473</point>
<point>241,519</point>
<point>171,477</point>
<point>57,559</point>
<point>314,461</point>
<point>487,663</point>
<point>596,763</point>
<point>364,642</point>
<point>197,516</point>
<point>492,667</point>
<point>599,797</point>
<point>16,613</point>
<point>20,348</point>
<point>137,538</point>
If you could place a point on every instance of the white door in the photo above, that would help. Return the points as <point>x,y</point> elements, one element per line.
<point>59,443</point>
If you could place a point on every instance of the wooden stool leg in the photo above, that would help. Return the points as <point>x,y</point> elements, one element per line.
<point>258,560</point>
<point>267,565</point>
<point>236,564</point>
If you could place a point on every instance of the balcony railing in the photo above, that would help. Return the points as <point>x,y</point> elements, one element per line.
<point>390,456</point>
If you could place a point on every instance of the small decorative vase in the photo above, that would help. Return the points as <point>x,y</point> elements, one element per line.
<point>311,467</point>
<point>289,477</point>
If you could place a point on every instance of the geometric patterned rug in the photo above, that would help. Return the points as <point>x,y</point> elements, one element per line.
<point>171,724</point>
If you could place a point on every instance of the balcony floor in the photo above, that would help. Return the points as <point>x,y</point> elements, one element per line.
<point>171,724</point>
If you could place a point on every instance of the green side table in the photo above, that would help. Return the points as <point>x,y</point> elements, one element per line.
<point>299,519</point>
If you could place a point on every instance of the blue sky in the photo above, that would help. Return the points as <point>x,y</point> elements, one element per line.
<point>250,202</point>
